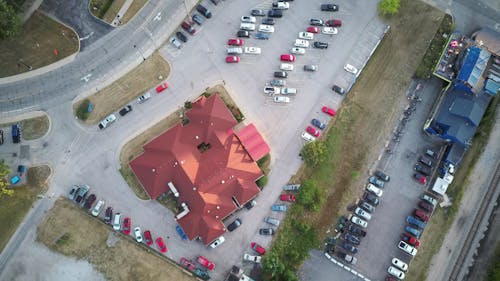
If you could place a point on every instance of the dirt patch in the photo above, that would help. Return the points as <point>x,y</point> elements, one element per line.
<point>35,45</point>
<point>32,128</point>
<point>66,229</point>
<point>126,89</point>
<point>133,10</point>
<point>14,208</point>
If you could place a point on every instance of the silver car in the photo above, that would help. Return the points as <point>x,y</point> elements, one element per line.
<point>272,221</point>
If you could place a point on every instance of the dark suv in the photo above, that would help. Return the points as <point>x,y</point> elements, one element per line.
<point>204,11</point>
<point>280,74</point>
<point>422,169</point>
<point>235,224</point>
<point>125,110</point>
<point>275,14</point>
<point>356,230</point>
<point>108,215</point>
<point>339,90</point>
<point>320,45</point>
<point>329,7</point>
<point>243,33</point>
<point>16,133</point>
<point>181,36</point>
<point>372,199</point>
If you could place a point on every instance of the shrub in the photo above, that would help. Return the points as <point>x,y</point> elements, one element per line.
<point>389,7</point>
<point>262,181</point>
<point>314,153</point>
<point>310,196</point>
<point>82,110</point>
<point>188,105</point>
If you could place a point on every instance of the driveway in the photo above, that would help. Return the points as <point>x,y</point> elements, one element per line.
<point>76,14</point>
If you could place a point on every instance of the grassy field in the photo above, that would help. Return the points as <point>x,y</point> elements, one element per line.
<point>66,227</point>
<point>108,9</point>
<point>35,45</point>
<point>14,208</point>
<point>443,218</point>
<point>133,9</point>
<point>32,128</point>
<point>126,89</point>
<point>357,132</point>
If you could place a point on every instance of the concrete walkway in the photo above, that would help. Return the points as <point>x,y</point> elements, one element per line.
<point>117,21</point>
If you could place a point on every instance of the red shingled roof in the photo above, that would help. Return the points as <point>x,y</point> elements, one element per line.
<point>209,182</point>
<point>253,142</point>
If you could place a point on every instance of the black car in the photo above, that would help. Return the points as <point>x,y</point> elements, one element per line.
<point>354,229</point>
<point>275,14</point>
<point>372,199</point>
<point>215,2</point>
<point>316,22</point>
<point>89,201</point>
<point>108,215</point>
<point>338,89</point>
<point>320,45</point>
<point>250,204</point>
<point>422,169</point>
<point>426,206</point>
<point>1,136</point>
<point>349,247</point>
<point>280,74</point>
<point>352,238</point>
<point>268,21</point>
<point>243,33</point>
<point>426,161</point>
<point>382,176</point>
<point>258,13</point>
<point>125,110</point>
<point>266,231</point>
<point>197,19</point>
<point>329,7</point>
<point>318,124</point>
<point>367,207</point>
<point>235,224</point>
<point>204,11</point>
<point>181,36</point>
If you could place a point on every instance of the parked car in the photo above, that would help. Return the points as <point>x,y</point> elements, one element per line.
<point>429,199</point>
<point>232,59</point>
<point>187,264</point>
<point>197,19</point>
<point>316,22</point>
<point>382,176</point>
<point>287,57</point>
<point>258,13</point>
<point>407,248</point>
<point>82,193</point>
<point>328,110</point>
<point>320,45</point>
<point>356,230</point>
<point>329,30</point>
<point>258,248</point>
<point>416,222</point>
<point>288,197</point>
<point>138,234</point>
<point>280,74</point>
<point>306,35</point>
<point>431,153</point>
<point>125,110</point>
<point>329,7</point>
<point>235,42</point>
<point>250,204</point>
<point>248,19</point>
<point>413,231</point>
<point>423,169</point>
<point>333,23</point>
<point>356,220</point>
<point>400,264</point>
<point>252,50</point>
<point>143,98</point>
<point>148,238</point>
<point>372,199</point>
<point>205,263</point>
<point>351,69</point>
<point>243,33</point>
<point>217,242</point>
<point>266,28</point>
<point>339,90</point>
<point>250,258</point>
<point>271,90</point>
<point>266,231</point>
<point>298,51</point>
<point>1,136</point>
<point>188,28</point>
<point>420,178</point>
<point>281,5</point>
<point>181,36</point>
<point>375,181</point>
<point>261,36</point>
<point>162,87</point>
<point>396,272</point>
<point>281,99</point>
<point>408,238</point>
<point>16,133</point>
<point>348,258</point>
<point>318,124</point>
<point>161,245</point>
<point>291,187</point>
<point>204,11</point>
<point>97,208</point>
<point>117,224</point>
<point>301,43</point>
<point>279,208</point>
<point>426,161</point>
<point>310,67</point>
<point>426,206</point>
<point>175,42</point>
<point>235,224</point>
<point>272,221</point>
<point>307,137</point>
<point>107,121</point>
<point>362,213</point>
<point>352,239</point>
<point>72,193</point>
<point>375,190</point>
<point>108,215</point>
<point>313,29</point>
<point>367,207</point>
<point>288,91</point>
<point>89,201</point>
<point>313,131</point>
<point>274,13</point>
<point>126,226</point>
<point>349,247</point>
<point>247,26</point>
<point>268,21</point>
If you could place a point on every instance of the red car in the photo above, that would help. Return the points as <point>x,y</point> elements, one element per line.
<point>148,238</point>
<point>334,23</point>
<point>232,59</point>
<point>126,226</point>
<point>187,264</point>
<point>420,178</point>
<point>161,244</point>
<point>258,248</point>
<point>160,88</point>
<point>288,197</point>
<point>329,111</point>
<point>287,57</point>
<point>235,42</point>
<point>421,215</point>
<point>313,29</point>
<point>206,263</point>
<point>408,238</point>
<point>311,130</point>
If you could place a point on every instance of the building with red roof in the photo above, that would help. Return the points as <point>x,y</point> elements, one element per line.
<point>205,165</point>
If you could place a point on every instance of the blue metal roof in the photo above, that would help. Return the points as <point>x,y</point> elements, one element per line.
<point>492,87</point>
<point>468,63</point>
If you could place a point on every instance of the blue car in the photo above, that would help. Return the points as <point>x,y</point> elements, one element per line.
<point>318,124</point>
<point>413,231</point>
<point>279,208</point>
<point>181,232</point>
<point>262,36</point>
<point>375,181</point>
<point>418,223</point>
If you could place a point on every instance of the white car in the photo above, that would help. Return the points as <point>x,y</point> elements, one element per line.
<point>301,43</point>
<point>248,19</point>
<point>255,259</point>
<point>253,50</point>
<point>307,137</point>
<point>358,221</point>
<point>272,90</point>
<point>117,224</point>
<point>396,272</point>
<point>298,51</point>
<point>143,98</point>
<point>329,30</point>
<point>407,248</point>
<point>234,50</point>
<point>375,190</point>
<point>286,66</point>
<point>138,234</point>
<point>247,26</point>
<point>289,91</point>
<point>107,121</point>
<point>266,28</point>
<point>306,35</point>
<point>362,213</point>
<point>281,99</point>
<point>176,43</point>
<point>281,5</point>
<point>351,69</point>
<point>97,208</point>
<point>400,264</point>
<point>217,242</point>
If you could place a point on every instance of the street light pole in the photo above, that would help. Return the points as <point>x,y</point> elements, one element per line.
<point>27,66</point>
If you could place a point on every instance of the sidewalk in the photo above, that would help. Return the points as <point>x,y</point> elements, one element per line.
<point>116,22</point>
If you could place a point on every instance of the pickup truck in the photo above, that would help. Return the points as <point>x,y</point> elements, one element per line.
<point>107,121</point>
<point>416,222</point>
<point>348,258</point>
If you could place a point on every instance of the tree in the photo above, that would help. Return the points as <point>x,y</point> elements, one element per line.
<point>389,7</point>
<point>10,24</point>
<point>310,195</point>
<point>4,183</point>
<point>314,153</point>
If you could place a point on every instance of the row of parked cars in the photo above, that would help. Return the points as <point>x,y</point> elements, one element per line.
<point>423,168</point>
<point>188,25</point>
<point>15,132</point>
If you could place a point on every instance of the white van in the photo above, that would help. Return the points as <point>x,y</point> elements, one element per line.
<point>247,26</point>
<point>289,91</point>
<point>307,137</point>
<point>234,50</point>
<point>286,66</point>
<point>97,208</point>
<point>301,43</point>
<point>117,225</point>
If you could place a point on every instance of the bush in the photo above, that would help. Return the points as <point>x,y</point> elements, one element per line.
<point>314,153</point>
<point>262,181</point>
<point>188,105</point>
<point>63,239</point>
<point>82,110</point>
<point>389,7</point>
<point>310,196</point>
